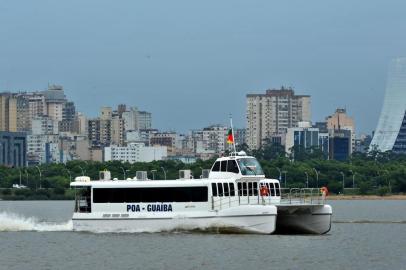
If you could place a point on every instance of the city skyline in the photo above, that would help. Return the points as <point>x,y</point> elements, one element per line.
<point>336,52</point>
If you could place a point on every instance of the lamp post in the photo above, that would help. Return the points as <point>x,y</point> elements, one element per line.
<point>83,172</point>
<point>353,178</point>
<point>70,175</point>
<point>40,176</point>
<point>20,175</point>
<point>307,180</point>
<point>317,177</point>
<point>153,174</point>
<point>123,172</point>
<point>163,169</point>
<point>26,175</point>
<point>285,172</point>
<point>342,174</point>
<point>280,173</point>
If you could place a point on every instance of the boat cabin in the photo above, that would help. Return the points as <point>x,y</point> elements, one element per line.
<point>232,181</point>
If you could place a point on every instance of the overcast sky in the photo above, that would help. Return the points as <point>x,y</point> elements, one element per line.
<point>191,63</point>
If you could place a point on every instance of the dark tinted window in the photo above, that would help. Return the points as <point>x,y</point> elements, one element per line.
<point>216,167</point>
<point>244,189</point>
<point>224,166</point>
<point>255,188</point>
<point>272,189</point>
<point>220,189</point>
<point>226,191</point>
<point>138,195</point>
<point>250,191</point>
<point>214,189</point>
<point>277,188</point>
<point>239,186</point>
<point>232,166</point>
<point>232,189</point>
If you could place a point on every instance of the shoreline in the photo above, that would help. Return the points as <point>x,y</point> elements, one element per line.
<point>365,197</point>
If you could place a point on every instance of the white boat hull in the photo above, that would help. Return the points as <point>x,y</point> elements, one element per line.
<point>257,219</point>
<point>313,219</point>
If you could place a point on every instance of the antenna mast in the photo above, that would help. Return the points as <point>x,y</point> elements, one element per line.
<point>232,132</point>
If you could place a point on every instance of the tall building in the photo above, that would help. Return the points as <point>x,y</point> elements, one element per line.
<point>55,100</point>
<point>341,121</point>
<point>44,126</point>
<point>304,136</point>
<point>215,138</point>
<point>81,122</point>
<point>273,113</point>
<point>130,117</point>
<point>135,152</point>
<point>144,120</point>
<point>99,132</point>
<point>13,149</point>
<point>390,133</point>
<point>117,131</point>
<point>8,112</point>
<point>340,144</point>
<point>169,139</point>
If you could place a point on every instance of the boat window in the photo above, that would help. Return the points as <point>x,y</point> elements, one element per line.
<point>250,166</point>
<point>232,166</point>
<point>239,186</point>
<point>250,191</point>
<point>146,195</point>
<point>232,190</point>
<point>226,189</point>
<point>272,189</point>
<point>244,189</point>
<point>255,188</point>
<point>214,189</point>
<point>216,167</point>
<point>224,166</point>
<point>277,189</point>
<point>220,188</point>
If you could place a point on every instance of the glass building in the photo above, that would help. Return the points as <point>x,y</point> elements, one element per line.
<point>390,134</point>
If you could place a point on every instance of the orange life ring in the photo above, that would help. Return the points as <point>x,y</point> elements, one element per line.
<point>324,190</point>
<point>264,191</point>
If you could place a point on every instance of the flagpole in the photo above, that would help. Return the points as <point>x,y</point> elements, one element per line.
<point>232,131</point>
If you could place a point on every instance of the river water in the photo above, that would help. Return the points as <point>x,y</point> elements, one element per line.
<point>364,235</point>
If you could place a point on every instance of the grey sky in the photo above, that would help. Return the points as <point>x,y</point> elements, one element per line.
<point>191,62</point>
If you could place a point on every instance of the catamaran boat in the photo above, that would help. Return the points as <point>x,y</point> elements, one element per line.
<point>234,197</point>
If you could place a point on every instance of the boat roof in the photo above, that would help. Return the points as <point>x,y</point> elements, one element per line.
<point>233,157</point>
<point>158,183</point>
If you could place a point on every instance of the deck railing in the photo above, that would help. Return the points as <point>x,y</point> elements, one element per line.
<point>302,196</point>
<point>289,196</point>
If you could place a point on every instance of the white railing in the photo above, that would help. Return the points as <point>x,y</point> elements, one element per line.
<point>302,196</point>
<point>289,196</point>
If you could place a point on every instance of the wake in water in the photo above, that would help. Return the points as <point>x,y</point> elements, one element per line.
<point>11,222</point>
<point>370,221</point>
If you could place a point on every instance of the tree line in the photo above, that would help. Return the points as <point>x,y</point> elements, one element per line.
<point>363,173</point>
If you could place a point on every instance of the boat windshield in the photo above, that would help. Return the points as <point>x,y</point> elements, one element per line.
<point>250,166</point>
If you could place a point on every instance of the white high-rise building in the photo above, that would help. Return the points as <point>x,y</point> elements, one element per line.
<point>390,134</point>
<point>215,138</point>
<point>55,100</point>
<point>44,126</point>
<point>130,118</point>
<point>144,120</point>
<point>272,113</point>
<point>135,152</point>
